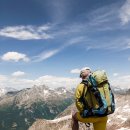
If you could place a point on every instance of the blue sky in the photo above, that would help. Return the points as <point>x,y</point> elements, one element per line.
<point>45,40</point>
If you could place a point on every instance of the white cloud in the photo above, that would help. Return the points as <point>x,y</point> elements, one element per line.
<point>3,78</point>
<point>43,28</point>
<point>14,82</point>
<point>45,55</point>
<point>125,12</point>
<point>14,56</point>
<point>54,81</point>
<point>49,80</point>
<point>115,74</point>
<point>75,71</point>
<point>26,32</point>
<point>18,74</point>
<point>121,82</point>
<point>19,83</point>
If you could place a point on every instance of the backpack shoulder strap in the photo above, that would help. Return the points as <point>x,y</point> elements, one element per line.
<point>85,103</point>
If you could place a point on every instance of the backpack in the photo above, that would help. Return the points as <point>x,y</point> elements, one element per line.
<point>101,94</point>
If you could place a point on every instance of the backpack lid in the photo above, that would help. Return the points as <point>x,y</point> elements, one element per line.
<point>100,76</point>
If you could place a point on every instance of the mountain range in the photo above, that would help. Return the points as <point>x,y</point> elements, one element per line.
<point>19,109</point>
<point>44,108</point>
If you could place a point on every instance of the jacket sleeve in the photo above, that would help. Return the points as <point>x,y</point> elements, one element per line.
<point>78,94</point>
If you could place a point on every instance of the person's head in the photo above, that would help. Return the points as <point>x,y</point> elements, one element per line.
<point>85,72</point>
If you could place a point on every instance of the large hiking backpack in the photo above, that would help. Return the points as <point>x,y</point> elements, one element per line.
<point>99,86</point>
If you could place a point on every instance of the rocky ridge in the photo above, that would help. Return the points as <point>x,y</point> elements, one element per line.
<point>120,120</point>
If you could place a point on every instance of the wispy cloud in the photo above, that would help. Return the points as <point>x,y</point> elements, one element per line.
<point>103,20</point>
<point>57,10</point>
<point>26,32</point>
<point>76,40</point>
<point>119,44</point>
<point>45,55</point>
<point>106,43</point>
<point>103,15</point>
<point>125,12</point>
<point>49,53</point>
<point>15,56</point>
<point>128,44</point>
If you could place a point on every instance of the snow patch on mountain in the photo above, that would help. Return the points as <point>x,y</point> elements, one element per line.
<point>4,90</point>
<point>126,108</point>
<point>121,118</point>
<point>122,128</point>
<point>60,119</point>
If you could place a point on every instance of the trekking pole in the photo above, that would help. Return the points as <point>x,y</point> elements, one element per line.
<point>88,126</point>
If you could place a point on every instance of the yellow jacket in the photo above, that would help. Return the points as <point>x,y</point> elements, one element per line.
<point>90,98</point>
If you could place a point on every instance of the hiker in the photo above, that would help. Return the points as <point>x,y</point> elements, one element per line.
<point>92,106</point>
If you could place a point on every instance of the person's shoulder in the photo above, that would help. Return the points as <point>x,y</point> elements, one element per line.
<point>80,86</point>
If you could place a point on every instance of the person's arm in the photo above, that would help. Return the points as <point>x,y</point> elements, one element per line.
<point>78,94</point>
